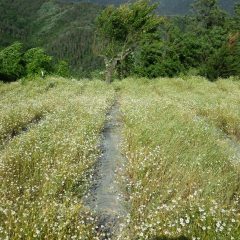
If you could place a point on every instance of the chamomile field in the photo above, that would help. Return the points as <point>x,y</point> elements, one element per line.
<point>178,176</point>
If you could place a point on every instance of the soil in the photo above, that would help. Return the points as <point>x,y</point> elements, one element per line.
<point>106,198</point>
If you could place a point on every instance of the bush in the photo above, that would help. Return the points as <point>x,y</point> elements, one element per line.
<point>224,63</point>
<point>16,64</point>
<point>37,62</point>
<point>155,60</point>
<point>11,64</point>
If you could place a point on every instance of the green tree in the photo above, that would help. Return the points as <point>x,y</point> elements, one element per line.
<point>201,35</point>
<point>120,31</point>
<point>37,62</point>
<point>156,59</point>
<point>225,62</point>
<point>11,64</point>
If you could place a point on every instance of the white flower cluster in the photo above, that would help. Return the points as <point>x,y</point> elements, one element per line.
<point>180,175</point>
<point>45,171</point>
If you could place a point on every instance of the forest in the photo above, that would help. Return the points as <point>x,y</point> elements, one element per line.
<point>205,41</point>
<point>64,31</point>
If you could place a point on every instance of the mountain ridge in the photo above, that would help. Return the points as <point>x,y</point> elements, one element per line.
<point>166,7</point>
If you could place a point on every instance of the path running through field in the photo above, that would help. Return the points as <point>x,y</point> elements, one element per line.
<point>106,197</point>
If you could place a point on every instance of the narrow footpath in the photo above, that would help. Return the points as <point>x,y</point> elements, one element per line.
<point>105,197</point>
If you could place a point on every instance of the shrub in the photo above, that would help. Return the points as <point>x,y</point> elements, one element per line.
<point>37,61</point>
<point>224,63</point>
<point>11,65</point>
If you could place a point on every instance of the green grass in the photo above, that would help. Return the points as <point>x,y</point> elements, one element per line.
<point>217,102</point>
<point>21,105</point>
<point>45,172</point>
<point>181,174</point>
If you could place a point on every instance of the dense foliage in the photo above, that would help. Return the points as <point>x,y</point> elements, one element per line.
<point>11,66</point>
<point>16,63</point>
<point>64,30</point>
<point>205,43</point>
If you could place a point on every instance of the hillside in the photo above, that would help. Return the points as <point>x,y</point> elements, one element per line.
<point>65,27</point>
<point>65,30</point>
<point>172,7</point>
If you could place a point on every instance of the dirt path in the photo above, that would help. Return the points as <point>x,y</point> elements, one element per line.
<point>105,197</point>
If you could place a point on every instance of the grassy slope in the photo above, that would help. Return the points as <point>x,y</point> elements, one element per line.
<point>182,175</point>
<point>44,172</point>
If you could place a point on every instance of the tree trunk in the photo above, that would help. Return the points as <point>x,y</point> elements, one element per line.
<point>110,68</point>
<point>112,63</point>
<point>109,74</point>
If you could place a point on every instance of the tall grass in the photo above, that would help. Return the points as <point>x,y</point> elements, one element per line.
<point>182,178</point>
<point>216,102</point>
<point>45,172</point>
<point>23,105</point>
